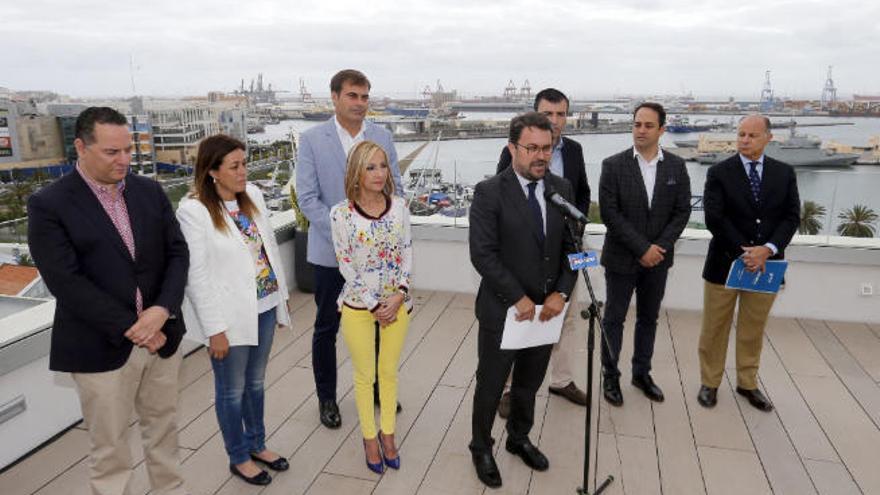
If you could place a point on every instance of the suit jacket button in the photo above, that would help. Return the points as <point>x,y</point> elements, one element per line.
<point>546,258</point>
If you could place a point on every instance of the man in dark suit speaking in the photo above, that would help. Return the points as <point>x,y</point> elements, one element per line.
<point>752,208</point>
<point>644,198</point>
<point>566,161</point>
<point>110,250</point>
<point>518,244</point>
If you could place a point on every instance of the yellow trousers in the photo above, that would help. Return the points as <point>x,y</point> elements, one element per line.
<point>359,332</point>
<point>718,306</point>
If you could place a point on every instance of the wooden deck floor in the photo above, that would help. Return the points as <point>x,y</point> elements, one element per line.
<point>822,438</point>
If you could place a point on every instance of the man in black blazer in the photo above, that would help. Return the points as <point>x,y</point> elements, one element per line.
<point>518,244</point>
<point>752,208</point>
<point>110,250</point>
<point>644,198</point>
<point>567,161</point>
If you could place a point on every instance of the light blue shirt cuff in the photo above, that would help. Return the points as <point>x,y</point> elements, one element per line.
<point>772,247</point>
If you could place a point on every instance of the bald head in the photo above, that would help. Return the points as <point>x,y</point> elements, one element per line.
<point>753,135</point>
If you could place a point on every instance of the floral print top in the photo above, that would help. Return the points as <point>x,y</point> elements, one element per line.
<point>267,282</point>
<point>374,254</point>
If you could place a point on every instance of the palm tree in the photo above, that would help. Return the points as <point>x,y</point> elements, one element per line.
<point>811,213</point>
<point>858,221</point>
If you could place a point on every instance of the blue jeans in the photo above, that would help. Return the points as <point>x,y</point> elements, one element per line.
<point>238,390</point>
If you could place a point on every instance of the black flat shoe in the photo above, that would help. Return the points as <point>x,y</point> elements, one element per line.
<point>611,391</point>
<point>486,469</point>
<point>529,454</point>
<point>279,464</point>
<point>756,399</point>
<point>330,414</point>
<point>261,479</point>
<point>708,396</point>
<point>646,384</point>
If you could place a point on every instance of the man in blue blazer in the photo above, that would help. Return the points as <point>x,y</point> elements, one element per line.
<point>320,184</point>
<point>110,250</point>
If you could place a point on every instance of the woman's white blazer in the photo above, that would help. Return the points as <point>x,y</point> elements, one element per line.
<point>221,291</point>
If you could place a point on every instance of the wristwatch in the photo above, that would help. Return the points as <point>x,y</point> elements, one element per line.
<point>564,296</point>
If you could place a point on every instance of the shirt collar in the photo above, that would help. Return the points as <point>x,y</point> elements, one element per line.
<point>559,145</point>
<point>94,185</point>
<point>746,161</point>
<point>657,159</point>
<point>342,131</point>
<point>523,182</point>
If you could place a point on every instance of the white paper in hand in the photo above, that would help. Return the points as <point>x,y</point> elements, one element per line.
<point>524,334</point>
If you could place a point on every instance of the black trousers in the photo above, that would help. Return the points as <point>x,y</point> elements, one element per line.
<point>649,286</point>
<point>328,286</point>
<point>529,366</point>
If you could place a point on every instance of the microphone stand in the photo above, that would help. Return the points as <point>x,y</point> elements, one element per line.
<point>594,313</point>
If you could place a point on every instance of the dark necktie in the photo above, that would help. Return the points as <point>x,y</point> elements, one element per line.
<point>536,209</point>
<point>755,181</point>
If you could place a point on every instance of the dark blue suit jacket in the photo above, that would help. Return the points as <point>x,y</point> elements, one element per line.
<point>88,269</point>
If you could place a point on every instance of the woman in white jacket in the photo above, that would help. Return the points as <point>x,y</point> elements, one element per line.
<point>235,296</point>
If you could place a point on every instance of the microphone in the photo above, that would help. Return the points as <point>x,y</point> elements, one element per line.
<point>567,208</point>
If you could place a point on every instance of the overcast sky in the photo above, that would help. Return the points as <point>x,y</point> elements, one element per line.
<point>585,48</point>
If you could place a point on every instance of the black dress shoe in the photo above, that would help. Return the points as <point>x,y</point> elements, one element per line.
<point>646,384</point>
<point>504,405</point>
<point>330,414</point>
<point>572,393</point>
<point>708,396</point>
<point>529,454</point>
<point>378,404</point>
<point>487,470</point>
<point>279,464</point>
<point>260,479</point>
<point>611,390</point>
<point>756,399</point>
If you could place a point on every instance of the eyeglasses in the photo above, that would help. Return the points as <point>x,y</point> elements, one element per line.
<point>534,149</point>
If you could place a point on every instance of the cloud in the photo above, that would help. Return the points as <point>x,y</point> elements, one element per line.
<point>590,48</point>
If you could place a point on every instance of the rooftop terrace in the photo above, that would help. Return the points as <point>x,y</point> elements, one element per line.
<point>823,437</point>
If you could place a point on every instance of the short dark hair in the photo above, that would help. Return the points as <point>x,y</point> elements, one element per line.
<point>530,119</point>
<point>552,95</point>
<point>661,112</point>
<point>85,123</point>
<point>352,76</point>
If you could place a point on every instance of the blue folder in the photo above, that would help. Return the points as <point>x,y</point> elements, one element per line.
<point>768,281</point>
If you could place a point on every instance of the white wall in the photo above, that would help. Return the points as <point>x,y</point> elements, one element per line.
<point>823,282</point>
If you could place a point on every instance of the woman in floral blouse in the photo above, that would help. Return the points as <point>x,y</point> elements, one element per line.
<point>371,237</point>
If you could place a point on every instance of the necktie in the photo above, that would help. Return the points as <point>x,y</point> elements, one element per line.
<point>755,181</point>
<point>536,209</point>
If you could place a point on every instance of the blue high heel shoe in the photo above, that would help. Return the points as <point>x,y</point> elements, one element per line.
<point>392,463</point>
<point>378,467</point>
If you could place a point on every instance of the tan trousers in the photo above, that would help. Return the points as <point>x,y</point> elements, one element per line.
<point>560,357</point>
<point>718,305</point>
<point>146,384</point>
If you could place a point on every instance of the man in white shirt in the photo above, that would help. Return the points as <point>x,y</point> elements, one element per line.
<point>644,199</point>
<point>320,184</point>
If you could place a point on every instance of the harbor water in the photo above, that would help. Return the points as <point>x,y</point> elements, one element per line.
<point>470,161</point>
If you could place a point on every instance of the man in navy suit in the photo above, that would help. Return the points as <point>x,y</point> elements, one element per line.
<point>752,208</point>
<point>110,250</point>
<point>644,198</point>
<point>566,161</point>
<point>320,184</point>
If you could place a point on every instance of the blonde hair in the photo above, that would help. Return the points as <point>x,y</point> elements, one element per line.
<point>358,159</point>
